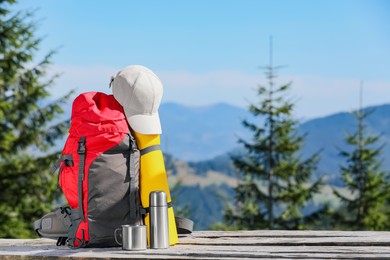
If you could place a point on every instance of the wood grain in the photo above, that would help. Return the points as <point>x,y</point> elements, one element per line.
<point>224,245</point>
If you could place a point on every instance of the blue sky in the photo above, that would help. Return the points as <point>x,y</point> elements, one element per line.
<point>207,52</point>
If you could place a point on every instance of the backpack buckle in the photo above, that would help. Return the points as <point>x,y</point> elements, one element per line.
<point>81,147</point>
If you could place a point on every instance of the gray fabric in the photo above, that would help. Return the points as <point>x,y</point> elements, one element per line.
<point>135,200</point>
<point>135,197</point>
<point>75,219</point>
<point>81,151</point>
<point>51,225</point>
<point>109,183</point>
<point>63,217</point>
<point>150,149</point>
<point>133,143</point>
<point>184,225</point>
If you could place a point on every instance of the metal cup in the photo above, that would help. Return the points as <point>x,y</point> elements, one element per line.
<point>133,237</point>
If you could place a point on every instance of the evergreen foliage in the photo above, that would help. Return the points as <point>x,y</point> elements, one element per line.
<point>27,126</point>
<point>363,176</point>
<point>275,182</point>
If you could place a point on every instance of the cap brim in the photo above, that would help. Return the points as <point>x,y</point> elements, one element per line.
<point>144,124</point>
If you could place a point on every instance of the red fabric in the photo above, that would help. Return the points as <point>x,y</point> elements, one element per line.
<point>100,118</point>
<point>95,113</point>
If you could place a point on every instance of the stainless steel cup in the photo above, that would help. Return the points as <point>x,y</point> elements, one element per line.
<point>133,237</point>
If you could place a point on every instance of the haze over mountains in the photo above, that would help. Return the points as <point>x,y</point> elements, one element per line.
<point>199,133</point>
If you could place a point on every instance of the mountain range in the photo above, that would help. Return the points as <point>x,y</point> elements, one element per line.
<point>201,139</point>
<point>197,134</point>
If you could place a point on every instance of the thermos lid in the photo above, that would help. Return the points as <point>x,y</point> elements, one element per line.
<point>157,198</point>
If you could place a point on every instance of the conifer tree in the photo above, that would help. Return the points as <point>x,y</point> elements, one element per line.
<point>364,177</point>
<point>28,128</point>
<point>275,182</point>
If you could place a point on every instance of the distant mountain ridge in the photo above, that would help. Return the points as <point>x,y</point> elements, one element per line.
<point>328,135</point>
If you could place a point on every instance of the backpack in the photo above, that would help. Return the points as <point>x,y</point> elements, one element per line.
<point>98,173</point>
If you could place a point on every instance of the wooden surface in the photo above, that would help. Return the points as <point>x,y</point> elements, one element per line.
<point>224,245</point>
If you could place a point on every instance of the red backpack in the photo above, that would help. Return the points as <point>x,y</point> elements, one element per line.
<point>101,159</point>
<point>99,176</point>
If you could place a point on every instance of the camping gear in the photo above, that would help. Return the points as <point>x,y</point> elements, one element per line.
<point>132,237</point>
<point>159,232</point>
<point>98,171</point>
<point>99,176</point>
<point>153,177</point>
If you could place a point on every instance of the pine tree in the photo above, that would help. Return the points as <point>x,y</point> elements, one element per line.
<point>275,182</point>
<point>364,178</point>
<point>28,128</point>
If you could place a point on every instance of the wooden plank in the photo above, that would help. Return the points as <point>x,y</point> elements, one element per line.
<point>196,252</point>
<point>289,238</point>
<point>223,245</point>
<point>290,233</point>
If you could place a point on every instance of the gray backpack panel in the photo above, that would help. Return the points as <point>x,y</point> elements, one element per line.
<point>113,193</point>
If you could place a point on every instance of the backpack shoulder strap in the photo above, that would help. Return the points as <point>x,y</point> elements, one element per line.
<point>184,226</point>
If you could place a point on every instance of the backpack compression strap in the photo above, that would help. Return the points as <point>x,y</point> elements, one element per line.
<point>81,151</point>
<point>150,149</point>
<point>66,158</point>
<point>135,214</point>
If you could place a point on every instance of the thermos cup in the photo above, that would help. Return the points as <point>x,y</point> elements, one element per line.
<point>133,237</point>
<point>159,232</point>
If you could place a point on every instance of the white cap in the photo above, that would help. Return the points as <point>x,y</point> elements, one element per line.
<point>139,91</point>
